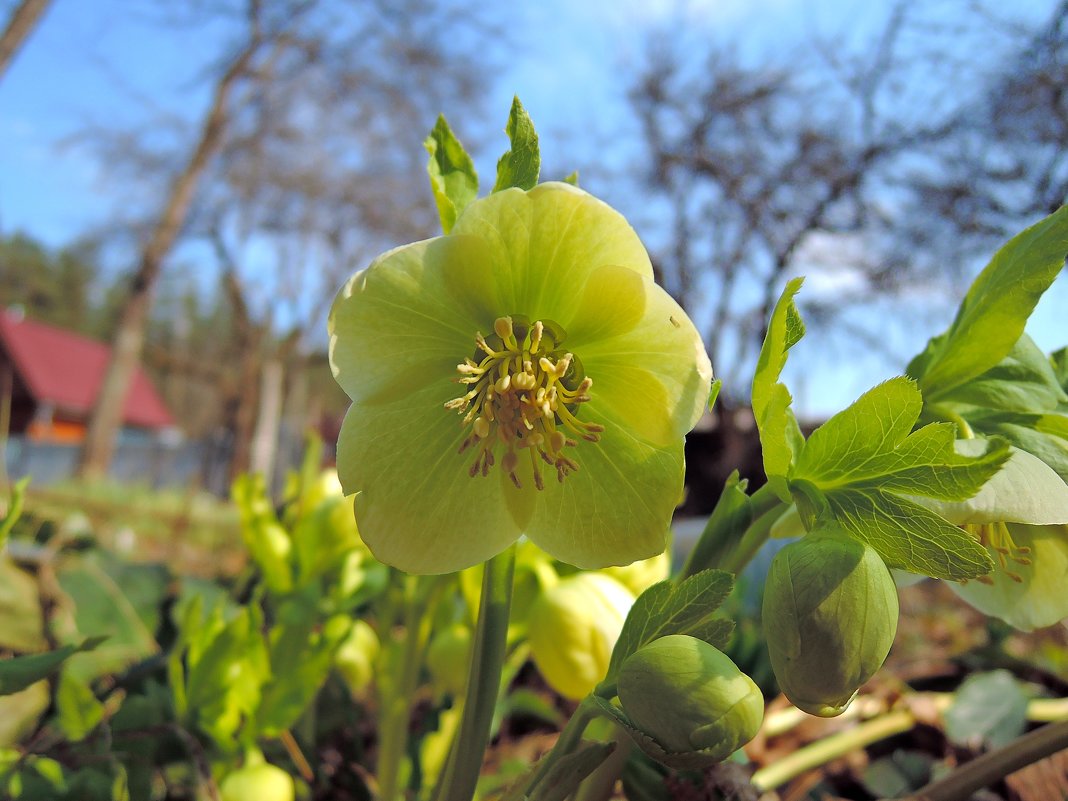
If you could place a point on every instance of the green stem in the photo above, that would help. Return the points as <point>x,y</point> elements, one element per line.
<point>751,542</point>
<point>829,748</point>
<point>483,681</point>
<point>568,740</point>
<point>995,765</point>
<point>963,429</point>
<point>776,724</point>
<point>721,544</point>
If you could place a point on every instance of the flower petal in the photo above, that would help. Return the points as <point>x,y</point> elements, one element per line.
<point>1025,490</point>
<point>410,318</point>
<point>418,508</point>
<point>546,242</point>
<point>653,375</point>
<point>1039,599</point>
<point>616,508</point>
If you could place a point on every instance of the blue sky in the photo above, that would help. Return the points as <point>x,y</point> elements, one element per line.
<point>109,61</point>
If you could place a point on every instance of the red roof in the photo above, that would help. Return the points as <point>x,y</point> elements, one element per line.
<point>65,369</point>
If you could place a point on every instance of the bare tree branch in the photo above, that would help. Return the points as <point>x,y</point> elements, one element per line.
<point>19,26</point>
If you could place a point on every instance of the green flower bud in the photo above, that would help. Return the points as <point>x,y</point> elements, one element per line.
<point>355,658</point>
<point>326,486</point>
<point>258,782</point>
<point>830,616</point>
<point>573,628</point>
<point>690,700</point>
<point>325,534</point>
<point>448,659</point>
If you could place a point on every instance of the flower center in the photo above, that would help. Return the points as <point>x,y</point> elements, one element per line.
<point>524,394</point>
<point>998,538</point>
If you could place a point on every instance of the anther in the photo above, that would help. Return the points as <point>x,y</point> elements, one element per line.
<point>503,327</point>
<point>535,336</point>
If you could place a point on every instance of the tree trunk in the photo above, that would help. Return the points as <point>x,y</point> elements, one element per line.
<point>129,338</point>
<point>19,25</point>
<point>241,417</point>
<point>265,440</point>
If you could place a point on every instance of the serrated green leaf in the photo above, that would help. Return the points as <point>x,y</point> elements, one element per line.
<point>453,179</point>
<point>1042,435</point>
<point>907,536</point>
<point>870,428</point>
<point>992,316</point>
<point>779,432</point>
<point>19,672</point>
<point>521,164</point>
<point>667,608</point>
<point>857,465</point>
<point>1024,381</point>
<point>1025,490</point>
<point>869,444</point>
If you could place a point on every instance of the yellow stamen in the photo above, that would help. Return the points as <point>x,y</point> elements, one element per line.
<point>519,399</point>
<point>997,538</point>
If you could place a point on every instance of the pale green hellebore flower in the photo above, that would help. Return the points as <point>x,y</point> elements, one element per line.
<point>356,656</point>
<point>573,628</point>
<point>1020,516</point>
<point>522,374</point>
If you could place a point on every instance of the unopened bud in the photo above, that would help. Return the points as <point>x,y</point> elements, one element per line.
<point>830,616</point>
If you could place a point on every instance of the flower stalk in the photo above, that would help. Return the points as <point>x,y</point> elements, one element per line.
<point>880,727</point>
<point>487,660</point>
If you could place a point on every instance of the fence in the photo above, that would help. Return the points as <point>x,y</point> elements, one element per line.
<point>203,464</point>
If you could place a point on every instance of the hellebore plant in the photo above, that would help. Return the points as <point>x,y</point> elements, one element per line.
<point>522,376</point>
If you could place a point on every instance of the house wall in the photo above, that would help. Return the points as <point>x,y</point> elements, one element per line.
<point>56,430</point>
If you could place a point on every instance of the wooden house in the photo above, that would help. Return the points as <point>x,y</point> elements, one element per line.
<point>52,378</point>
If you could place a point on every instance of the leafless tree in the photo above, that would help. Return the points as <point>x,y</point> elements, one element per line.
<point>24,18</point>
<point>1007,163</point>
<point>303,170</point>
<point>847,162</point>
<point>128,342</point>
